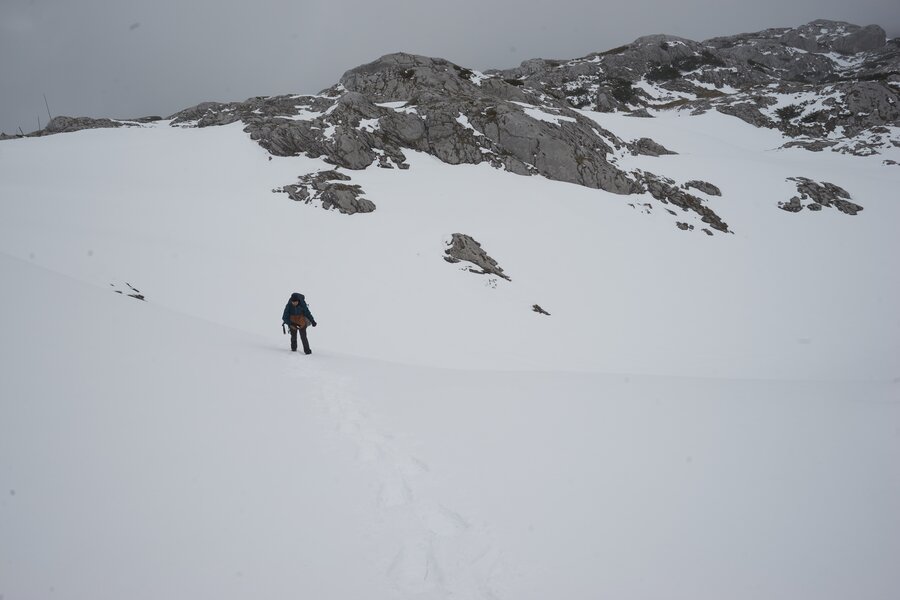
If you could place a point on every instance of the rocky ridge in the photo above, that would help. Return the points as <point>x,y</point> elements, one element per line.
<point>402,102</point>
<point>828,85</point>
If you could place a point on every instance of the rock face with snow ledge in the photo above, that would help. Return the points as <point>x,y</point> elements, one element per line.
<point>402,101</point>
<point>828,84</point>
<point>405,102</point>
<point>468,119</point>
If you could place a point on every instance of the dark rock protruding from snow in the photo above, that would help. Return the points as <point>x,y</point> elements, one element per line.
<point>70,124</point>
<point>845,80</point>
<point>326,187</point>
<point>819,195</point>
<point>647,147</point>
<point>825,36</point>
<point>703,186</point>
<point>465,249</point>
<point>537,308</point>
<point>132,292</point>
<point>63,124</point>
<point>465,117</point>
<point>793,205</point>
<point>405,102</point>
<point>666,191</point>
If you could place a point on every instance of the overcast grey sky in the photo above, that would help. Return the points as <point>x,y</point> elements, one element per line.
<point>131,58</point>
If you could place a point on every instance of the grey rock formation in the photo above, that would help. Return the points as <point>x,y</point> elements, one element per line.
<point>526,120</point>
<point>871,37</point>
<point>70,124</point>
<point>855,70</point>
<point>403,101</point>
<point>749,112</point>
<point>812,146</point>
<point>326,187</point>
<point>131,292</point>
<point>465,249</point>
<point>847,207</point>
<point>666,191</point>
<point>648,147</point>
<point>703,186</point>
<point>537,308</point>
<point>465,118</point>
<point>792,205</point>
<point>63,124</point>
<point>819,195</point>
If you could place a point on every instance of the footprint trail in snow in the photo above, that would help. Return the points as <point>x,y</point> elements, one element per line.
<point>440,553</point>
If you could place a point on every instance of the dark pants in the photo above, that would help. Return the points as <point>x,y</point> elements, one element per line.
<point>302,330</point>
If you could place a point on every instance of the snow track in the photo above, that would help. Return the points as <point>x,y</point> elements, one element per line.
<point>439,553</point>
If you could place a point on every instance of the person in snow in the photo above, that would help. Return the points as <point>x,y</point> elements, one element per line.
<point>297,317</point>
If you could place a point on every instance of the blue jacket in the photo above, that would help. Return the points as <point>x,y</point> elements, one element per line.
<point>300,309</point>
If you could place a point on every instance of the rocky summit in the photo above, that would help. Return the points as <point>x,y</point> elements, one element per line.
<point>826,85</point>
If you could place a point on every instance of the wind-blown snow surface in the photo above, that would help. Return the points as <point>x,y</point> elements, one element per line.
<point>700,417</point>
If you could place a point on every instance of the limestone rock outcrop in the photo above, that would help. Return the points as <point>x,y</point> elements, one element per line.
<point>845,79</point>
<point>464,248</point>
<point>818,195</point>
<point>70,124</point>
<point>402,101</point>
<point>329,188</point>
<point>828,85</point>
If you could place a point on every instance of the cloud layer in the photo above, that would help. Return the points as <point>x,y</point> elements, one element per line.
<point>133,58</point>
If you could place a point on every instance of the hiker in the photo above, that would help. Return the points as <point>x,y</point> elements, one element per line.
<point>297,317</point>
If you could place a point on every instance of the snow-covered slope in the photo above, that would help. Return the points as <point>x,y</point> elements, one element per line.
<point>187,217</point>
<point>147,454</point>
<point>699,416</point>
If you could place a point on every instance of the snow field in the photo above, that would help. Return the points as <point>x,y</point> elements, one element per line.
<point>699,417</point>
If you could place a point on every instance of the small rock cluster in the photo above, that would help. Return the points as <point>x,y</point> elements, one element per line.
<point>668,192</point>
<point>814,196</point>
<point>465,249</point>
<point>327,187</point>
<point>132,292</point>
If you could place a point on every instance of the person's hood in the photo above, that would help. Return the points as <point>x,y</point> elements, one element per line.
<point>297,296</point>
